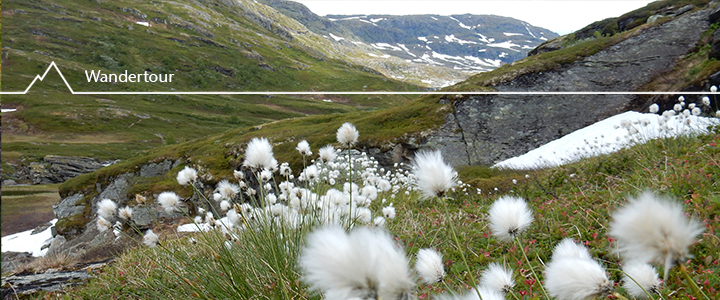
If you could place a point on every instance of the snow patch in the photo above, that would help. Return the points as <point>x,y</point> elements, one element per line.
<point>452,39</point>
<point>608,136</point>
<point>27,242</point>
<point>511,34</point>
<point>336,38</point>
<point>146,24</point>
<point>506,45</point>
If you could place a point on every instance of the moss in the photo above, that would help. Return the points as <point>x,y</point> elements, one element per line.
<point>70,225</point>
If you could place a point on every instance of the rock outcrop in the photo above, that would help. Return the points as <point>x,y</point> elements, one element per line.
<point>487,129</point>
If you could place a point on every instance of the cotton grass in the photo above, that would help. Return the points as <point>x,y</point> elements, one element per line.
<point>509,216</point>
<point>429,266</point>
<point>434,177</point>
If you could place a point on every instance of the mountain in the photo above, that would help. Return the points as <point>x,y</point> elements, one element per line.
<point>671,53</point>
<point>470,43</point>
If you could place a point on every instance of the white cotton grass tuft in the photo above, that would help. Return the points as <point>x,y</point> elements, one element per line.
<point>150,239</point>
<point>485,292</point>
<point>654,228</point>
<point>654,108</point>
<point>125,213</point>
<point>169,201</point>
<point>569,249</point>
<point>103,224</point>
<point>429,265</point>
<point>304,148</point>
<point>433,176</point>
<point>226,190</point>
<point>389,212</point>
<point>347,135</point>
<point>106,208</point>
<point>187,175</point>
<point>327,154</point>
<point>361,264</point>
<point>639,278</point>
<point>497,278</point>
<point>576,279</point>
<point>259,154</point>
<point>509,216</point>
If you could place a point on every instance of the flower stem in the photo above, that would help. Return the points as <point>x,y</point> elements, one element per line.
<point>621,297</point>
<point>696,290</point>
<point>532,269</point>
<point>457,244</point>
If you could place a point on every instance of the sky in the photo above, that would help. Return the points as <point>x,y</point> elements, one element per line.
<point>560,16</point>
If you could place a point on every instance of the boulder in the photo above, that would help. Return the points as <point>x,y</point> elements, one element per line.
<point>715,50</point>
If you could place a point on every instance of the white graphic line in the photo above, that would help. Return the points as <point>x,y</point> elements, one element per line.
<point>53,65</point>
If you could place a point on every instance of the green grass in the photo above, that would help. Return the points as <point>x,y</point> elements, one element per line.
<point>26,207</point>
<point>574,201</point>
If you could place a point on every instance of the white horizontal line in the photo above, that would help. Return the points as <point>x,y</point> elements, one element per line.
<point>53,65</point>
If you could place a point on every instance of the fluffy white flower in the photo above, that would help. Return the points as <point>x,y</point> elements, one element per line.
<point>285,169</point>
<point>238,175</point>
<point>361,264</point>
<point>509,216</point>
<point>327,154</point>
<point>485,293</point>
<point>717,113</point>
<point>227,190</point>
<point>576,279</point>
<point>706,101</point>
<point>653,228</point>
<point>696,111</point>
<point>363,215</point>
<point>310,174</point>
<point>639,276</point>
<point>103,224</point>
<point>569,249</point>
<point>125,213</point>
<point>150,239</point>
<point>379,221</point>
<point>713,89</point>
<point>259,154</point>
<point>265,175</point>
<point>225,205</point>
<point>347,135</point>
<point>677,107</point>
<point>186,175</point>
<point>169,201</point>
<point>429,265</point>
<point>369,191</point>
<point>498,278</point>
<point>654,108</point>
<point>106,208</point>
<point>304,148</point>
<point>433,176</point>
<point>389,212</point>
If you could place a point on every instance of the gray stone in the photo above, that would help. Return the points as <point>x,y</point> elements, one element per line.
<point>683,10</point>
<point>714,16</point>
<point>486,129</point>
<point>67,207</point>
<point>66,167</point>
<point>156,169</point>
<point>9,182</point>
<point>715,50</point>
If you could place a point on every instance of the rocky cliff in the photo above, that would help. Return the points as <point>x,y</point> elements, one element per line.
<point>486,129</point>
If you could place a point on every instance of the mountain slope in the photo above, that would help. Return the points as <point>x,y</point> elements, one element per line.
<point>469,43</point>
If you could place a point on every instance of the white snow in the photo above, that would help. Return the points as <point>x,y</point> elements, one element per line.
<point>336,38</point>
<point>484,39</point>
<point>511,34</point>
<point>406,50</point>
<point>507,45</point>
<point>8,110</point>
<point>377,20</point>
<point>502,54</point>
<point>422,38</point>
<point>27,242</point>
<point>451,38</point>
<point>147,24</point>
<point>386,46</point>
<point>608,136</point>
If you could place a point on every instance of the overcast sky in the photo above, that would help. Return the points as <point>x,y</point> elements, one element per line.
<point>561,16</point>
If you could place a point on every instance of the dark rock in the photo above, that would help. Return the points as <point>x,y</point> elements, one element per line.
<point>68,207</point>
<point>714,16</point>
<point>548,46</point>
<point>157,169</point>
<point>683,10</point>
<point>715,50</point>
<point>40,228</point>
<point>66,167</point>
<point>485,129</point>
<point>12,260</point>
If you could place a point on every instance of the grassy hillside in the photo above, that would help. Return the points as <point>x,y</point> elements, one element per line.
<point>576,201</point>
<point>209,46</point>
